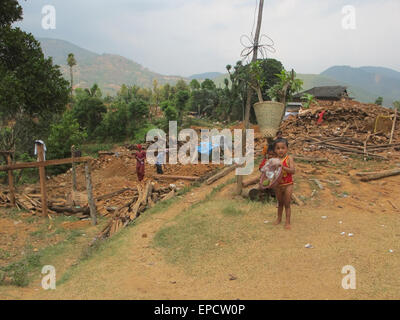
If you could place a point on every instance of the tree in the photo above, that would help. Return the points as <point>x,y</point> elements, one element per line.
<point>10,11</point>
<point>396,105</point>
<point>71,63</point>
<point>208,84</point>
<point>181,85</point>
<point>94,91</point>
<point>194,85</point>
<point>32,89</point>
<point>288,85</point>
<point>115,123</point>
<point>89,113</point>
<point>241,78</point>
<point>171,113</point>
<point>379,101</point>
<point>29,83</point>
<point>166,91</point>
<point>181,99</point>
<point>64,134</point>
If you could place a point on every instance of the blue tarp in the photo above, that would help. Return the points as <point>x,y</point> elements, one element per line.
<point>206,147</point>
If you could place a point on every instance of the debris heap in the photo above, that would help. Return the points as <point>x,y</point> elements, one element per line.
<point>347,127</point>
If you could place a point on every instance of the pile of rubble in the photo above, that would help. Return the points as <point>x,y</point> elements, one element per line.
<point>115,184</point>
<point>343,127</point>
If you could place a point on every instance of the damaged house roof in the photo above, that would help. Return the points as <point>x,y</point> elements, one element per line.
<point>326,93</point>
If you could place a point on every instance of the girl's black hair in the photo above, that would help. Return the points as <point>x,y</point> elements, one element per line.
<point>270,147</point>
<point>280,140</point>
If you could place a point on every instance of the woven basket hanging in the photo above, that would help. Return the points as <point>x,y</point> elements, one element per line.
<point>269,116</point>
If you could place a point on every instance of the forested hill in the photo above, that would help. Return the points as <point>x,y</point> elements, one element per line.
<point>109,71</point>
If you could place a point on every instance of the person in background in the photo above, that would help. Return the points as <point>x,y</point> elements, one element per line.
<point>160,161</point>
<point>268,153</point>
<point>278,135</point>
<point>140,157</point>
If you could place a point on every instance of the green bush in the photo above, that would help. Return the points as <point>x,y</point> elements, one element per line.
<point>63,135</point>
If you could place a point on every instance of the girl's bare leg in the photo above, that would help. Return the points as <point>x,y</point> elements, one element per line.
<point>279,192</point>
<point>287,197</point>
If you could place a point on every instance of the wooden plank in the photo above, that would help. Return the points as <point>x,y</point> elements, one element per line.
<point>162,176</point>
<point>362,174</point>
<point>380,175</point>
<point>89,188</point>
<point>306,159</point>
<point>222,174</point>
<point>113,194</point>
<point>23,165</point>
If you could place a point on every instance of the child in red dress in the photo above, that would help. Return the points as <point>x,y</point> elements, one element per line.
<point>285,188</point>
<point>140,157</point>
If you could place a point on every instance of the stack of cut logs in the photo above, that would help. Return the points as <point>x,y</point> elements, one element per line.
<point>32,204</point>
<point>76,203</point>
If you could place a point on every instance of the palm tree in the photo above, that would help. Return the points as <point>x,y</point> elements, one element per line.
<point>94,91</point>
<point>71,62</point>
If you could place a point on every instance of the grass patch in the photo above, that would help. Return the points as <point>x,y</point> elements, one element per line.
<point>208,231</point>
<point>4,254</point>
<point>20,271</point>
<point>231,210</point>
<point>93,149</point>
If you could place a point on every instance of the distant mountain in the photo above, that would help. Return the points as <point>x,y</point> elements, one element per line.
<point>316,80</point>
<point>376,81</point>
<point>206,75</point>
<point>109,71</point>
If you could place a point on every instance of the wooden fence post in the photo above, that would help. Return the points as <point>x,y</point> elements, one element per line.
<point>42,176</point>
<point>393,126</point>
<point>89,189</point>
<point>11,181</point>
<point>74,184</point>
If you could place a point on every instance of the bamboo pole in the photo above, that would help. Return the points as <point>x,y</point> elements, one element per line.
<point>89,188</point>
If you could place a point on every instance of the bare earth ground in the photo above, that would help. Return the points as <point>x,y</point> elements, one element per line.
<point>209,244</point>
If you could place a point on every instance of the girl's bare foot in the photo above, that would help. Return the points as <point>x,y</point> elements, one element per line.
<point>287,226</point>
<point>276,222</point>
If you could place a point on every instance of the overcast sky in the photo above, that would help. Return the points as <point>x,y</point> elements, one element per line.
<point>183,37</point>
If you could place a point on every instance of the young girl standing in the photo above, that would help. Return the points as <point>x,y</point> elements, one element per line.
<point>284,189</point>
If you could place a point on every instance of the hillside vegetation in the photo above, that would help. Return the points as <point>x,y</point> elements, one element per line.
<point>109,71</point>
